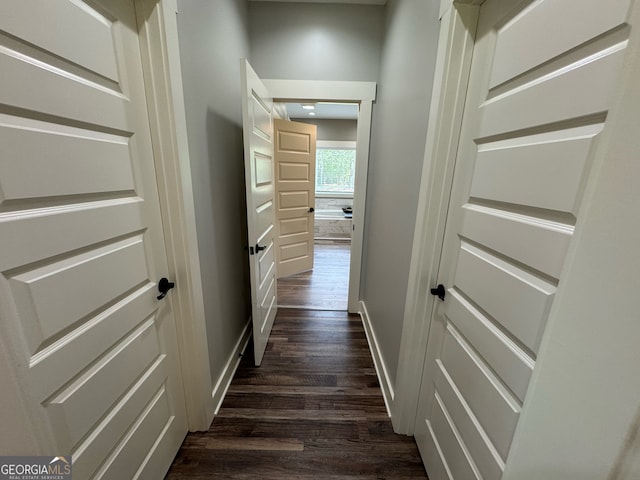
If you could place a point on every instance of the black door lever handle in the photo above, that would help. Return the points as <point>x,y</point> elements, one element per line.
<point>439,291</point>
<point>259,248</point>
<point>164,286</point>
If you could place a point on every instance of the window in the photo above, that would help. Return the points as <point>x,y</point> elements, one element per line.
<point>335,167</point>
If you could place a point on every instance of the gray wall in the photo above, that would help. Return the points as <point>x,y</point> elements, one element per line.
<point>397,152</point>
<point>316,41</point>
<point>213,37</point>
<point>334,130</point>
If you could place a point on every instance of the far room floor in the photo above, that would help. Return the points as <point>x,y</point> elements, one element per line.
<point>326,287</point>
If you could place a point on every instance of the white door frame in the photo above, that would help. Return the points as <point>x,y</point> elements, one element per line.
<point>363,93</point>
<point>458,21</point>
<point>158,35</point>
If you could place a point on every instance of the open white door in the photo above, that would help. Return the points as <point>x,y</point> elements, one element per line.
<point>542,80</point>
<point>295,156</point>
<point>257,124</point>
<point>92,351</point>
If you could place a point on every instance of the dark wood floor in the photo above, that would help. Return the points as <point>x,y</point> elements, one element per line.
<point>313,410</point>
<point>326,287</point>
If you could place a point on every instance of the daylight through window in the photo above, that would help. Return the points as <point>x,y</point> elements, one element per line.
<point>335,168</point>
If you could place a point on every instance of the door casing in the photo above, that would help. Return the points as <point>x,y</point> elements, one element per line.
<point>458,20</point>
<point>363,93</point>
<point>158,36</point>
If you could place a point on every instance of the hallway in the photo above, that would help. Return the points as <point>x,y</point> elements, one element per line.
<point>313,410</point>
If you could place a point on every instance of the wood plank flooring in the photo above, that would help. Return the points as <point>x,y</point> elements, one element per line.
<point>313,410</point>
<point>326,287</point>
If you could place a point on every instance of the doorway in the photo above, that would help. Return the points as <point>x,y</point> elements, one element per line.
<point>325,286</point>
<point>363,95</point>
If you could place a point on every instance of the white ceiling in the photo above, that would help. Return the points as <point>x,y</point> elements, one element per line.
<point>360,2</point>
<point>324,110</point>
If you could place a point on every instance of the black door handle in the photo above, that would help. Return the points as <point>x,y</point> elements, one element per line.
<point>439,291</point>
<point>311,209</point>
<point>259,248</point>
<point>164,286</point>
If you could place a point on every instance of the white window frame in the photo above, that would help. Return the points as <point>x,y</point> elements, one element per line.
<point>346,144</point>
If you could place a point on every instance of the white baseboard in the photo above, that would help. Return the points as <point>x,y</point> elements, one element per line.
<point>381,369</point>
<point>222,385</point>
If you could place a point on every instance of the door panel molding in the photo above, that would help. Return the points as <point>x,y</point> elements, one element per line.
<point>556,223</point>
<point>295,164</point>
<point>66,413</point>
<point>259,169</point>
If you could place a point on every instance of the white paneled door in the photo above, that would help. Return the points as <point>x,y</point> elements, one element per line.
<point>295,156</point>
<point>94,351</point>
<point>257,106</point>
<point>542,78</point>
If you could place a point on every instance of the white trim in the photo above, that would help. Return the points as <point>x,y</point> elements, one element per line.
<point>346,144</point>
<point>279,111</point>
<point>445,5</point>
<point>321,90</point>
<point>333,195</point>
<point>453,62</point>
<point>381,369</point>
<point>359,203</point>
<point>356,2</point>
<point>158,34</point>
<point>229,370</point>
<point>363,93</point>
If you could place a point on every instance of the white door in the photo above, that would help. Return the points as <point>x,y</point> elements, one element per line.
<point>541,82</point>
<point>295,156</point>
<point>257,106</point>
<point>94,353</point>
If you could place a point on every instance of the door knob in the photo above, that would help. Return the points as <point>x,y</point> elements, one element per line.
<point>259,248</point>
<point>311,210</point>
<point>439,291</point>
<point>164,286</point>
